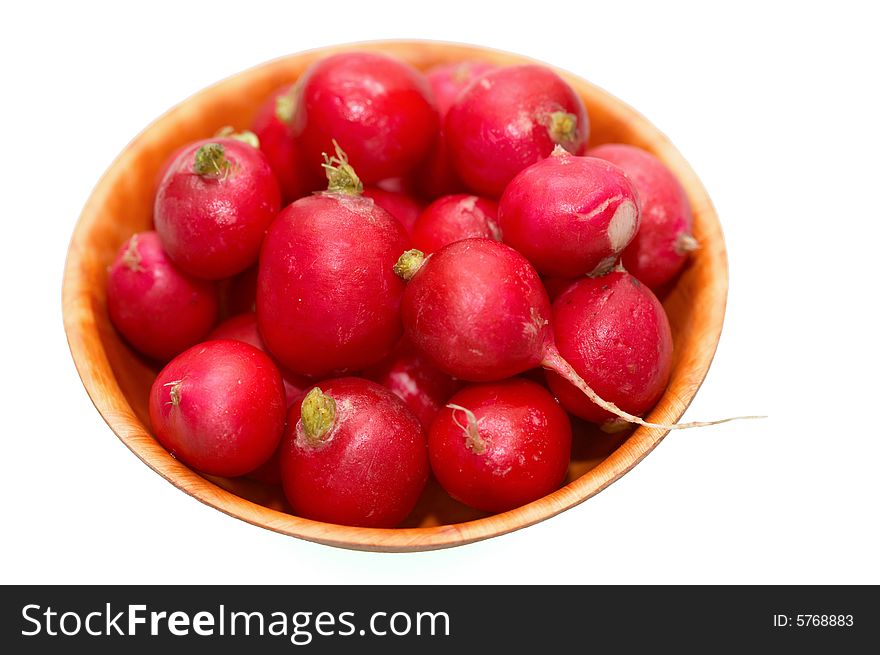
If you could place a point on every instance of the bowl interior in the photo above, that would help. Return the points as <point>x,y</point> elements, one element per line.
<point>118,380</point>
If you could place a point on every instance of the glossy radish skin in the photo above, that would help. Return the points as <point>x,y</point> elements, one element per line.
<point>615,334</point>
<point>244,328</point>
<point>401,206</point>
<point>509,119</point>
<point>378,109</point>
<point>272,125</point>
<point>423,387</point>
<point>664,240</point>
<point>570,215</point>
<point>219,407</point>
<point>436,176</point>
<point>453,218</point>
<point>500,445</point>
<point>449,80</point>
<point>214,205</point>
<point>353,454</point>
<point>328,300</point>
<point>477,310</point>
<point>160,310</point>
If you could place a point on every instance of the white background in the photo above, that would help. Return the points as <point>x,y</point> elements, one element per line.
<point>774,104</point>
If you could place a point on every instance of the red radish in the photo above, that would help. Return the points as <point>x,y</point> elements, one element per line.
<point>619,342</point>
<point>423,387</point>
<point>570,215</point>
<point>214,205</point>
<point>453,218</point>
<point>353,454</point>
<point>160,310</point>
<point>436,176</point>
<point>477,309</point>
<point>449,80</point>
<point>500,445</point>
<point>378,109</point>
<point>400,205</point>
<point>244,328</point>
<point>664,240</point>
<point>328,300</point>
<point>219,407</point>
<point>509,119</point>
<point>272,125</point>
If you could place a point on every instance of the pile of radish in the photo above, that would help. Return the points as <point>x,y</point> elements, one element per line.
<point>345,297</point>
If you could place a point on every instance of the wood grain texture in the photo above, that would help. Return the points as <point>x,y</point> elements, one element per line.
<point>118,380</point>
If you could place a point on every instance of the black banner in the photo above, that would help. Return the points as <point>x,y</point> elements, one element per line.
<point>434,619</point>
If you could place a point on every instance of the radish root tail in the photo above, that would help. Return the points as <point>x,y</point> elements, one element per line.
<point>555,362</point>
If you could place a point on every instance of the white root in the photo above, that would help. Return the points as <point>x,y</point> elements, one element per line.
<point>555,362</point>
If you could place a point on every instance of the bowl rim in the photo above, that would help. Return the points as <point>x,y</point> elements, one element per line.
<point>97,375</point>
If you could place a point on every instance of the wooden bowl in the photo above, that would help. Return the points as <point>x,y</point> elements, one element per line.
<point>118,380</point>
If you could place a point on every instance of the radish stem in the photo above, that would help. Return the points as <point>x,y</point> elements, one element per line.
<point>341,177</point>
<point>562,127</point>
<point>211,161</point>
<point>409,263</point>
<point>318,414</point>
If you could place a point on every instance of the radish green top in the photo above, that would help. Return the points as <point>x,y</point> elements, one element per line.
<point>341,177</point>
<point>318,414</point>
